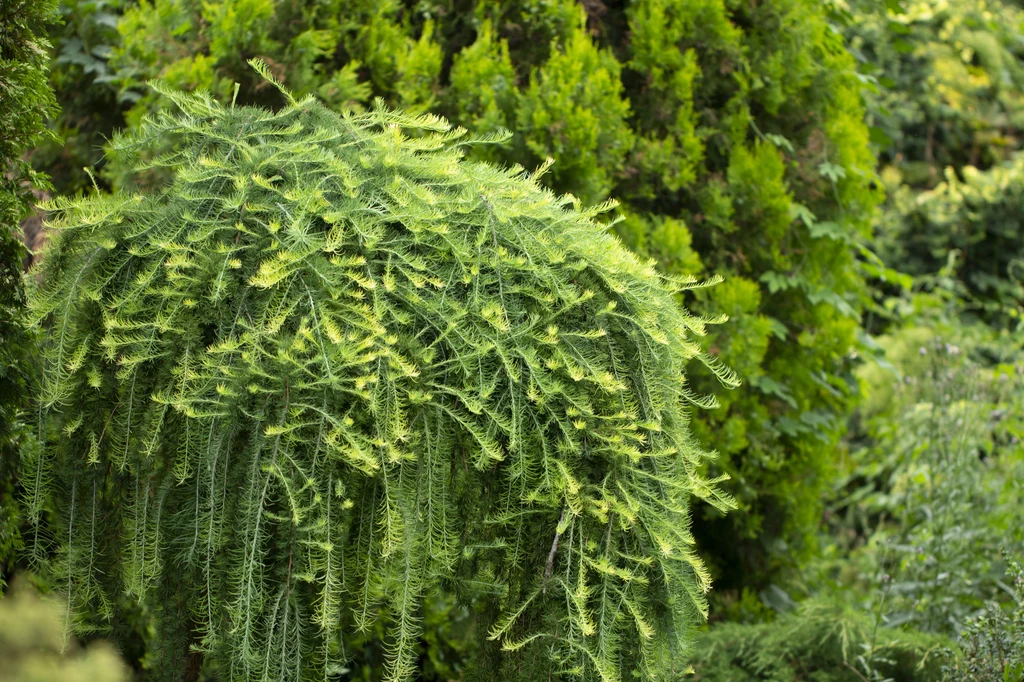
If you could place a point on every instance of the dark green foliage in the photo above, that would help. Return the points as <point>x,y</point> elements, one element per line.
<point>25,102</point>
<point>82,84</point>
<point>15,364</point>
<point>449,642</point>
<point>818,642</point>
<point>333,367</point>
<point>27,99</point>
<point>732,132</point>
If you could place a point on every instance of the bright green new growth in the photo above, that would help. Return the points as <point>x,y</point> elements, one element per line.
<point>333,366</point>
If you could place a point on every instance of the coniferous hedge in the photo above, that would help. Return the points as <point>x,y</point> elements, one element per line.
<point>822,642</point>
<point>732,133</point>
<point>333,367</point>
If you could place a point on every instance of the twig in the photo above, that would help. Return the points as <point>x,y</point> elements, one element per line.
<point>554,548</point>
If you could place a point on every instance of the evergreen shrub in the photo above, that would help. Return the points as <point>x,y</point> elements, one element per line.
<point>332,367</point>
<point>993,643</point>
<point>732,133</point>
<point>822,642</point>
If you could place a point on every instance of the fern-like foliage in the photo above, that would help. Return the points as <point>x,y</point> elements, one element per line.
<point>333,365</point>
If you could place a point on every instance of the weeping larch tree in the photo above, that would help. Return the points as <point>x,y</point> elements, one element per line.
<point>332,366</point>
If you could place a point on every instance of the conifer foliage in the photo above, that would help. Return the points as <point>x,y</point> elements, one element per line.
<point>26,101</point>
<point>333,365</point>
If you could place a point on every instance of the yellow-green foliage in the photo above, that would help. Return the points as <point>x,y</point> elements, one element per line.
<point>731,132</point>
<point>334,366</point>
<point>35,647</point>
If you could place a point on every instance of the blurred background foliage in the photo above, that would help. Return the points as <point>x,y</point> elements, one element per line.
<point>851,167</point>
<point>946,106</point>
<point>34,646</point>
<point>950,78</point>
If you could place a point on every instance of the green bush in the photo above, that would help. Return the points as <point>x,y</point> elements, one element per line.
<point>820,642</point>
<point>25,103</point>
<point>932,491</point>
<point>971,222</point>
<point>732,133</point>
<point>993,643</point>
<point>332,367</point>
